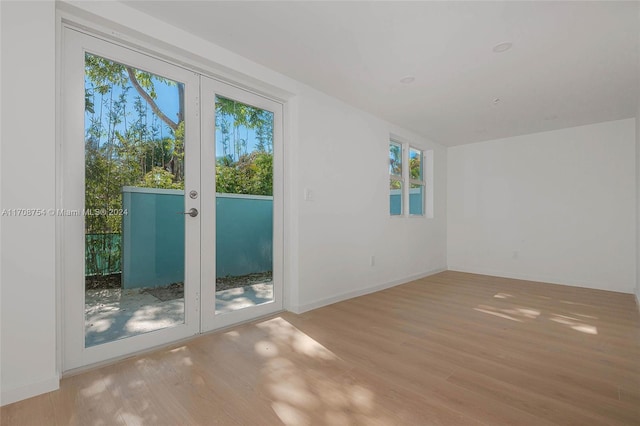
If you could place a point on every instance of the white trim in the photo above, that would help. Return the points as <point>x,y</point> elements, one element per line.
<point>429,178</point>
<point>143,190</point>
<point>536,278</point>
<point>244,196</point>
<point>120,24</point>
<point>9,396</point>
<point>361,292</point>
<point>291,202</point>
<point>59,222</point>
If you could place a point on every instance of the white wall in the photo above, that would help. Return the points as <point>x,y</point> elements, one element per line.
<point>638,187</point>
<point>27,262</point>
<point>555,206</point>
<point>343,160</point>
<point>337,151</point>
<point>638,206</point>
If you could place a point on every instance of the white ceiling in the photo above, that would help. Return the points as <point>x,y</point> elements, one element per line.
<point>572,63</point>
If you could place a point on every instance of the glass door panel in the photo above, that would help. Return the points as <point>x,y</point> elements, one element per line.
<point>244,205</point>
<point>172,183</point>
<point>243,131</point>
<point>134,186</point>
<point>131,255</point>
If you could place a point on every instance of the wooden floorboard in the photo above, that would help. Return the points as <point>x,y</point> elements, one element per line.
<point>450,349</point>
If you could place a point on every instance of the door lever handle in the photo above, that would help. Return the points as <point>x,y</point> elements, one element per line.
<point>193,212</point>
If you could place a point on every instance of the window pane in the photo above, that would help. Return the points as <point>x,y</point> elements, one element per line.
<point>244,205</point>
<point>395,159</point>
<point>395,197</point>
<point>416,199</point>
<point>415,164</point>
<point>134,185</point>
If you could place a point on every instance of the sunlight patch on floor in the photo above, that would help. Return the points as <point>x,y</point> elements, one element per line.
<point>289,414</point>
<point>306,395</point>
<point>266,349</point>
<point>492,311</point>
<point>574,324</point>
<point>282,332</point>
<point>502,296</point>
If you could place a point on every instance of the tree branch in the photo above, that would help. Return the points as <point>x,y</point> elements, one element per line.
<point>149,99</point>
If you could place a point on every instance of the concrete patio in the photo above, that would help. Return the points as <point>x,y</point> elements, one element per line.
<point>112,314</point>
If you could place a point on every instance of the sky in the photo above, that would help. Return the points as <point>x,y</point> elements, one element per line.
<point>167,101</point>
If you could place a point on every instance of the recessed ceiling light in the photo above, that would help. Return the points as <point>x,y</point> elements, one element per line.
<point>408,79</point>
<point>502,47</point>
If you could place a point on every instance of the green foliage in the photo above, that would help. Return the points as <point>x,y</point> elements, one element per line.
<point>415,169</point>
<point>395,159</point>
<point>231,116</point>
<point>251,174</point>
<point>104,74</point>
<point>125,147</point>
<point>160,178</point>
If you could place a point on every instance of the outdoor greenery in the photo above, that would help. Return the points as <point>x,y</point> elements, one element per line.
<point>131,141</point>
<point>395,165</point>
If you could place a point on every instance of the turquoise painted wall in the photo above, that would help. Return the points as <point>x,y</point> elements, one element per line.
<point>244,228</point>
<point>415,202</point>
<point>153,236</point>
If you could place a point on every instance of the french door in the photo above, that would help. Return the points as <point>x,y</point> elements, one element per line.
<point>242,164</point>
<point>152,250</point>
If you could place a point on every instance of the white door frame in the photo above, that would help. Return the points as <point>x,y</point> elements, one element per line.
<point>75,355</point>
<point>199,175</point>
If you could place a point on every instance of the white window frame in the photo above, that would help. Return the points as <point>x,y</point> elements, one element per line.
<point>396,178</point>
<point>422,182</point>
<point>426,163</point>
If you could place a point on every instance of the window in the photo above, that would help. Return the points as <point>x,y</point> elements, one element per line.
<point>407,185</point>
<point>395,179</point>
<point>416,182</point>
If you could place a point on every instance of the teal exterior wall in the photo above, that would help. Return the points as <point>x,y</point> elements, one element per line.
<point>244,230</point>
<point>416,205</point>
<point>153,236</point>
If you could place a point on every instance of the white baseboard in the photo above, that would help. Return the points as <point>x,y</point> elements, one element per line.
<point>360,292</point>
<point>538,278</point>
<point>16,394</point>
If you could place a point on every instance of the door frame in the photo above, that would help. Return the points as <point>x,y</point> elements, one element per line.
<point>74,353</point>
<point>195,323</point>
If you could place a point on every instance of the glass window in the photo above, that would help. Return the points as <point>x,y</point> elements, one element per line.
<point>396,199</point>
<point>407,184</point>
<point>416,180</point>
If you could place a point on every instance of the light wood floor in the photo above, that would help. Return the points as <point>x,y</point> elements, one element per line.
<point>451,349</point>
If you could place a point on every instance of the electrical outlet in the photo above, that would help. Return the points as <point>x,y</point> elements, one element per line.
<point>308,194</point>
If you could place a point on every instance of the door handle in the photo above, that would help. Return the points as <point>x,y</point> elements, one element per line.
<point>193,212</point>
